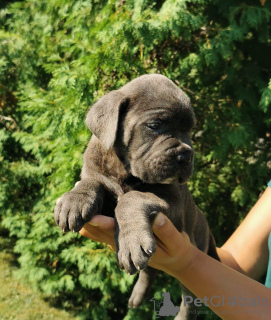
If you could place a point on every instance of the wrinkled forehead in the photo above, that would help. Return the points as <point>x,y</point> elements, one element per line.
<point>162,101</point>
<point>153,89</point>
<point>166,110</point>
<point>162,104</point>
<point>155,96</point>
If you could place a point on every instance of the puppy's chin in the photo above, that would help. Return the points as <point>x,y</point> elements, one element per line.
<point>173,180</point>
<point>169,180</point>
<point>157,178</point>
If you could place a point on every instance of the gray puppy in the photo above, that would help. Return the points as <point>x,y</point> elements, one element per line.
<point>137,164</point>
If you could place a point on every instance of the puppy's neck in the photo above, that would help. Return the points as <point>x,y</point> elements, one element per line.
<point>112,166</point>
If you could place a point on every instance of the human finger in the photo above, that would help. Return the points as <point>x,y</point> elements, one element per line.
<point>107,224</point>
<point>168,237</point>
<point>100,228</point>
<point>94,233</point>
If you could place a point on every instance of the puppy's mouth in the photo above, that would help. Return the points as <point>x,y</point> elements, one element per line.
<point>173,180</point>
<point>169,180</point>
<point>160,175</point>
<point>166,166</point>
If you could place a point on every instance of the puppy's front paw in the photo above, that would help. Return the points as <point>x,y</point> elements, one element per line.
<point>75,208</point>
<point>135,248</point>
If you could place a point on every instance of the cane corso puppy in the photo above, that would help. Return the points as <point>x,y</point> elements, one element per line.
<point>137,163</point>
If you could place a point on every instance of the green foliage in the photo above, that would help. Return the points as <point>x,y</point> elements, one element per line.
<point>17,300</point>
<point>58,57</point>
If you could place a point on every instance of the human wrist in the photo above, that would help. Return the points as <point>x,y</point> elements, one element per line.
<point>185,262</point>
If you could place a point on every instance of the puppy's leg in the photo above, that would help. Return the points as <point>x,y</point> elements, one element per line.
<point>77,206</point>
<point>135,242</point>
<point>142,287</point>
<point>134,238</point>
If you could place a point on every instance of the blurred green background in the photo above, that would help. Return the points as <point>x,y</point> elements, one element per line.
<point>58,57</point>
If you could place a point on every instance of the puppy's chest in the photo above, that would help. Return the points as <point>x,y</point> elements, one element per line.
<point>110,200</point>
<point>115,170</point>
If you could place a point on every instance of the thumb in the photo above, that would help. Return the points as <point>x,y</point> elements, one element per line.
<point>167,233</point>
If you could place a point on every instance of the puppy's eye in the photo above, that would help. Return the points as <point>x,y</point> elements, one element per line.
<point>154,125</point>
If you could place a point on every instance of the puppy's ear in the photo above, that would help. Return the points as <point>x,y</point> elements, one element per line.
<point>103,117</point>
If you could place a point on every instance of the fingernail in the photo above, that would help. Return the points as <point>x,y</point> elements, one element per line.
<point>93,224</point>
<point>159,220</point>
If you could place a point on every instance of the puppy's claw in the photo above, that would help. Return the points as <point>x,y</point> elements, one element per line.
<point>150,252</point>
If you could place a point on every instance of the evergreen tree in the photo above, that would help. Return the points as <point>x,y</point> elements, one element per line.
<point>58,57</point>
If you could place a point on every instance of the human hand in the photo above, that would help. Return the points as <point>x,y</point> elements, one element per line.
<point>100,228</point>
<point>174,250</point>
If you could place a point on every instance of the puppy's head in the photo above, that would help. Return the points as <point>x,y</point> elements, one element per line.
<point>148,123</point>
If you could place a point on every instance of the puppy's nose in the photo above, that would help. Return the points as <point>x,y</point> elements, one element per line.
<point>184,157</point>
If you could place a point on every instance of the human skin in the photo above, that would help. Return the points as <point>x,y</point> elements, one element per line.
<point>244,259</point>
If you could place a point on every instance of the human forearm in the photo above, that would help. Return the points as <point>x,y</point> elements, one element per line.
<point>228,259</point>
<point>228,293</point>
<point>247,249</point>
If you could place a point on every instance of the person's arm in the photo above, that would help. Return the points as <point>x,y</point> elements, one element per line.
<point>247,249</point>
<point>210,280</point>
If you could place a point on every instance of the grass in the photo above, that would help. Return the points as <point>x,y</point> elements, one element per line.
<point>17,300</point>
